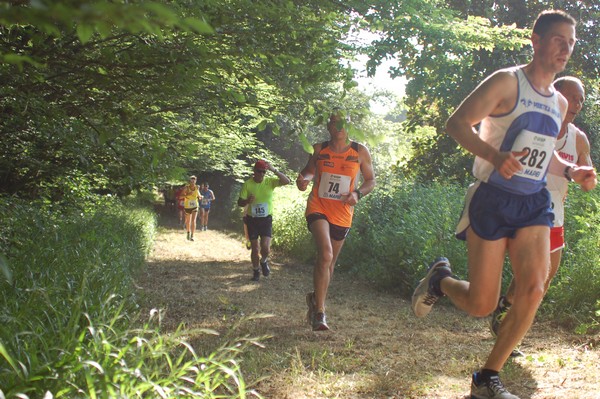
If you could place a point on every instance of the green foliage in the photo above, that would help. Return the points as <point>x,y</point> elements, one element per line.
<point>445,48</point>
<point>399,228</point>
<point>573,295</point>
<point>69,313</point>
<point>290,233</point>
<point>129,95</point>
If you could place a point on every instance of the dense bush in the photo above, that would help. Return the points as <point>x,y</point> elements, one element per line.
<point>399,228</point>
<point>290,233</point>
<point>574,295</point>
<point>70,323</point>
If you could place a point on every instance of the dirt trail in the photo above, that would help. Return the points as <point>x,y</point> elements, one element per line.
<point>376,349</point>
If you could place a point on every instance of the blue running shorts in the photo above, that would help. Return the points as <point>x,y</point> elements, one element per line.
<point>494,213</point>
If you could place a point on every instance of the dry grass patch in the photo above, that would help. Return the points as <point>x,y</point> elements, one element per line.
<point>377,349</point>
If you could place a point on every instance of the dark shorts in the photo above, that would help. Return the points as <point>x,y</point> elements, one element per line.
<point>337,233</point>
<point>494,213</point>
<point>191,210</point>
<point>259,227</point>
<point>205,208</point>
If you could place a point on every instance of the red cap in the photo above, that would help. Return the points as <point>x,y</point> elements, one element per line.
<point>262,165</point>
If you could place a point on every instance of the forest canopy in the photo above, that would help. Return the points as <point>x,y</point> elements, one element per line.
<point>105,97</point>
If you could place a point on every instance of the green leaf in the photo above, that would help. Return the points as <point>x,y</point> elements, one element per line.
<point>199,26</point>
<point>262,125</point>
<point>84,33</point>
<point>5,269</point>
<point>305,144</point>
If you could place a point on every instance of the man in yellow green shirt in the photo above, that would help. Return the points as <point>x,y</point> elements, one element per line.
<point>257,195</point>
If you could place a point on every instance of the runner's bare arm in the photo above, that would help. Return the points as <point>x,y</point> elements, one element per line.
<point>583,149</point>
<point>494,96</point>
<point>584,175</point>
<point>366,169</point>
<point>308,172</point>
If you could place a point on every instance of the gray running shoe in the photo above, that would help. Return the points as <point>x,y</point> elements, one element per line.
<point>265,268</point>
<point>492,389</point>
<point>319,322</point>
<point>256,275</point>
<point>497,316</point>
<point>424,296</point>
<point>312,307</point>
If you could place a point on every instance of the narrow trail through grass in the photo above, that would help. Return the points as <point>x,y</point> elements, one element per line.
<point>376,349</point>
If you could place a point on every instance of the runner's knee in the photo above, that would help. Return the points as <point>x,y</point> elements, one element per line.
<point>532,293</point>
<point>483,307</point>
<point>326,256</point>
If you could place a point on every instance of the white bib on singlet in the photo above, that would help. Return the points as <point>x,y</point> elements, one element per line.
<point>332,186</point>
<point>539,149</point>
<point>259,210</point>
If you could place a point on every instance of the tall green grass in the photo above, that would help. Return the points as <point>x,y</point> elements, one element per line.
<point>70,323</point>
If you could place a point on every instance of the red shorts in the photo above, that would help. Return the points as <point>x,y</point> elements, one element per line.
<point>557,238</point>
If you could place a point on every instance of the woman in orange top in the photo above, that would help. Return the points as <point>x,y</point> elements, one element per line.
<point>334,165</point>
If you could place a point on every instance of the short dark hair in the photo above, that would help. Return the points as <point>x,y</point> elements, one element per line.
<point>547,18</point>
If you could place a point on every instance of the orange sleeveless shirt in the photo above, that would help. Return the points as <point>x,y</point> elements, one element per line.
<point>335,175</point>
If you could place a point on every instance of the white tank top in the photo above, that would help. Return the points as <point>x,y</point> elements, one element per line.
<point>533,124</point>
<point>558,186</point>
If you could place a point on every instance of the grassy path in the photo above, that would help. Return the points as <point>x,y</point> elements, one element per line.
<point>376,348</point>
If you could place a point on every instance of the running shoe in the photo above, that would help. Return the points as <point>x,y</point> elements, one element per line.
<point>496,320</point>
<point>516,353</point>
<point>312,307</point>
<point>498,315</point>
<point>319,322</point>
<point>256,275</point>
<point>265,268</point>
<point>248,245</point>
<point>491,389</point>
<point>188,235</point>
<point>425,294</point>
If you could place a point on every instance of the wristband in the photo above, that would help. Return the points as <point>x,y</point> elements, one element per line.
<point>566,173</point>
<point>358,193</point>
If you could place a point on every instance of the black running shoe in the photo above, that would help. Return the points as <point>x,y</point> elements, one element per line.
<point>498,315</point>
<point>265,268</point>
<point>256,275</point>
